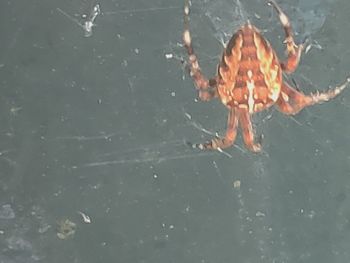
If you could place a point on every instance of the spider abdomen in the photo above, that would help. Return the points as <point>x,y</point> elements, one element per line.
<point>250,73</point>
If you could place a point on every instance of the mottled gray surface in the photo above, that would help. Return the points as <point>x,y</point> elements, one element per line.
<point>96,125</point>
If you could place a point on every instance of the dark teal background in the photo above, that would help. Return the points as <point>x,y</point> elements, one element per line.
<point>97,124</point>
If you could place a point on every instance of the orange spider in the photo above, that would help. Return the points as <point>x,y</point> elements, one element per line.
<point>249,79</point>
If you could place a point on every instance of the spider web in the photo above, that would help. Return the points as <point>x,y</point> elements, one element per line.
<point>87,19</point>
<point>95,150</point>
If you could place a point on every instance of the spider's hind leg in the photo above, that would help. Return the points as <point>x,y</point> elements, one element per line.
<point>293,50</point>
<point>292,101</point>
<point>228,140</point>
<point>206,87</point>
<point>248,132</point>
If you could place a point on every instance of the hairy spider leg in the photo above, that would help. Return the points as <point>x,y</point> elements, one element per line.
<point>230,137</point>
<point>247,131</point>
<point>292,101</point>
<point>293,51</point>
<point>206,88</point>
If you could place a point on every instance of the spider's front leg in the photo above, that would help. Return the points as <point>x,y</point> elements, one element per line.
<point>292,101</point>
<point>228,140</point>
<point>293,50</point>
<point>248,132</point>
<point>207,88</point>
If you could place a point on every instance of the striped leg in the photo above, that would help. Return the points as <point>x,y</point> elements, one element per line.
<point>248,132</point>
<point>293,50</point>
<point>228,140</point>
<point>292,101</point>
<point>206,88</point>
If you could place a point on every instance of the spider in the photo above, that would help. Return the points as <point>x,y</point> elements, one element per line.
<point>249,79</point>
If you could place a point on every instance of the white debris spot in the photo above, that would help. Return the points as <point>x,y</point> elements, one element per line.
<point>169,56</point>
<point>237,184</point>
<point>124,63</point>
<point>89,19</point>
<point>85,217</point>
<point>120,37</point>
<point>89,23</point>
<point>259,214</point>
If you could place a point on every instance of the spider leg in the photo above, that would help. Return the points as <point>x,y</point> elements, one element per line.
<point>206,87</point>
<point>228,140</point>
<point>292,101</point>
<point>207,94</point>
<point>248,132</point>
<point>293,50</point>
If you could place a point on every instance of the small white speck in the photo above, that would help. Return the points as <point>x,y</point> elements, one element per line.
<point>259,214</point>
<point>237,184</point>
<point>169,56</point>
<point>188,116</point>
<point>173,94</point>
<point>85,217</point>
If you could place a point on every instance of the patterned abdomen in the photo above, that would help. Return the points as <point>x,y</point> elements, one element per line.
<point>250,73</point>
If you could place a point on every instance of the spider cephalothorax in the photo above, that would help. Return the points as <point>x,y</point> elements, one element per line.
<point>249,80</point>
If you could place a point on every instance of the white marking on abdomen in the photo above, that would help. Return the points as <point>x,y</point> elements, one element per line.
<point>250,86</point>
<point>250,74</point>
